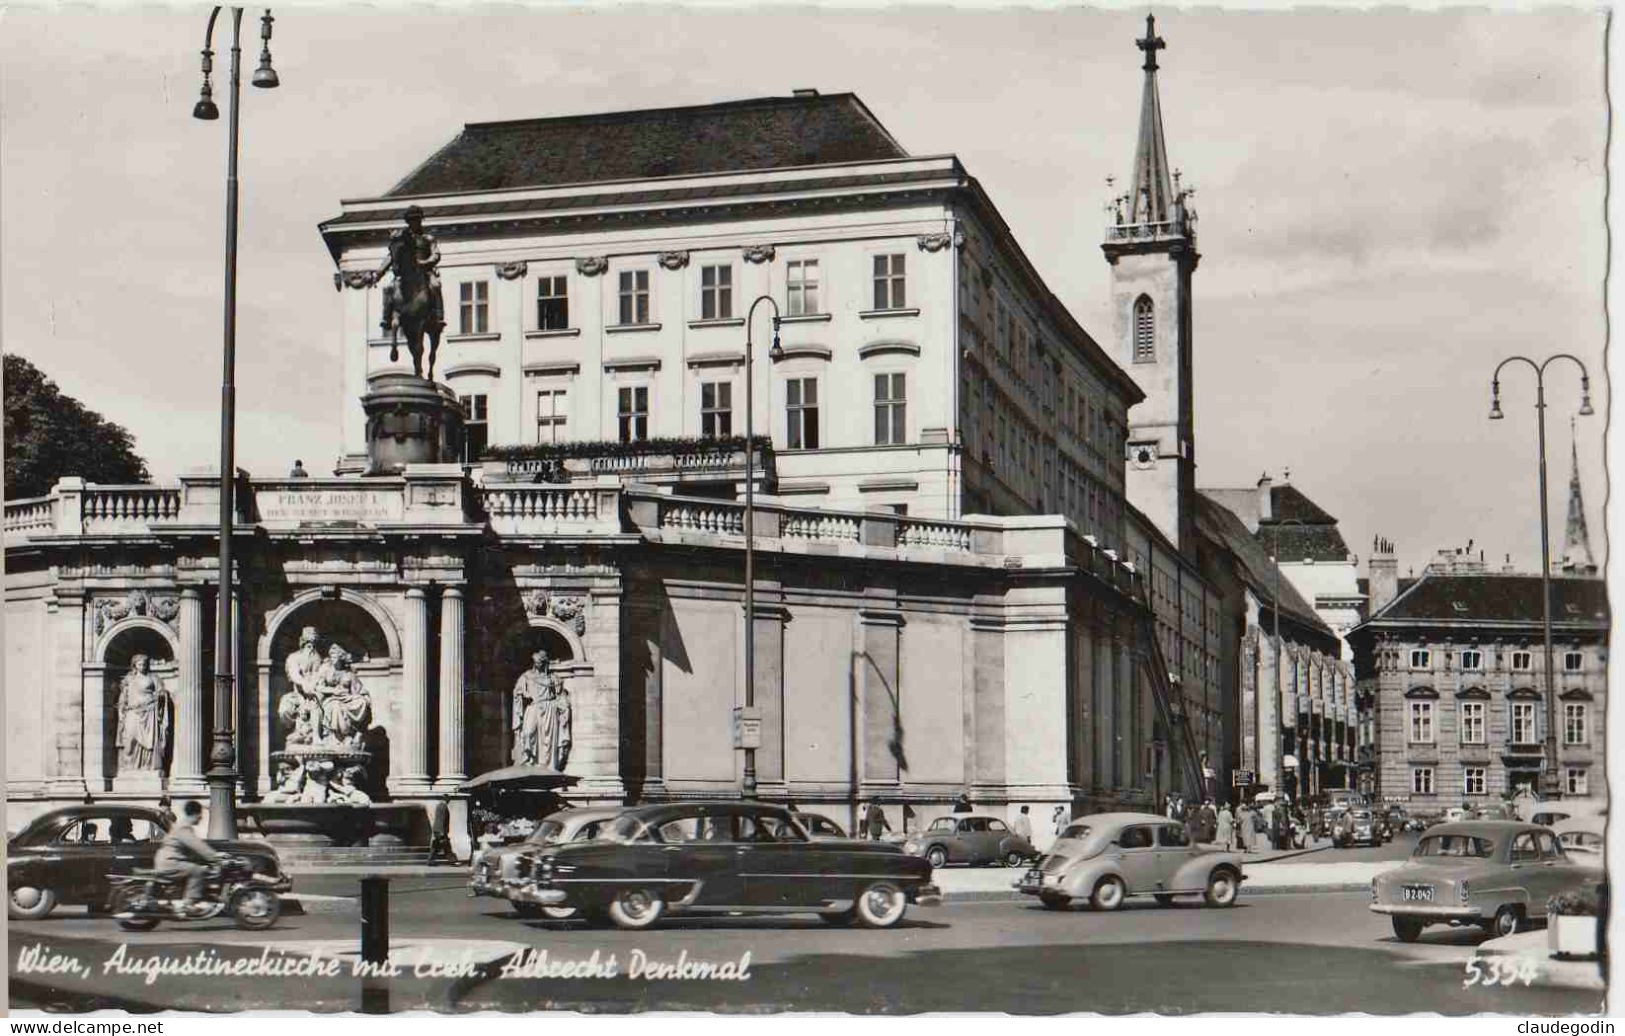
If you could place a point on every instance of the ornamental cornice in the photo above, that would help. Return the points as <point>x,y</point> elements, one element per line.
<point>673,260</point>
<point>591,265</point>
<point>760,253</point>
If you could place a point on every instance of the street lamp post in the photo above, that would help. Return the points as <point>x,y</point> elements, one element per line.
<point>775,352</point>
<point>1550,786</point>
<point>1275,611</point>
<point>222,776</point>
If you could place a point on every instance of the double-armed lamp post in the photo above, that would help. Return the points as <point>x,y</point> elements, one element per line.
<point>222,776</point>
<point>1550,786</point>
<point>747,728</point>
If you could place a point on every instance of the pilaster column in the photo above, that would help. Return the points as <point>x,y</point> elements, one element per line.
<point>450,768</point>
<point>410,741</point>
<point>186,768</point>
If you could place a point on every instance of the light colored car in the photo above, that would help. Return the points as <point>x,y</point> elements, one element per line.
<point>1107,857</point>
<point>1582,838</point>
<point>1359,826</point>
<point>1496,874</point>
<point>970,839</point>
<point>496,871</point>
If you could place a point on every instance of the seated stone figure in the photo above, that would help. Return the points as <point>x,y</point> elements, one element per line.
<point>290,782</point>
<point>346,708</point>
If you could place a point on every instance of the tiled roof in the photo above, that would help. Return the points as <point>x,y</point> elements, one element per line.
<point>1298,542</point>
<point>1288,501</point>
<point>1252,562</point>
<point>765,133</point>
<point>1497,598</point>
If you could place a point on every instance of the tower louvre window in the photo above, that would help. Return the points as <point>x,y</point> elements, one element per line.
<point>1145,335</point>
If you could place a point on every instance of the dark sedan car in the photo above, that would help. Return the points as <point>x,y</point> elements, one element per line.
<point>726,856</point>
<point>64,857</point>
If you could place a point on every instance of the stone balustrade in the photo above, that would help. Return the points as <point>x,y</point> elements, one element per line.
<point>516,510</point>
<point>933,535</point>
<point>112,510</point>
<point>35,515</point>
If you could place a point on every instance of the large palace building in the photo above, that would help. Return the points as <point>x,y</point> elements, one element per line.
<point>981,566</point>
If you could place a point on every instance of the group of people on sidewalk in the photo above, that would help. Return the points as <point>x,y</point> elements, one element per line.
<point>1249,828</point>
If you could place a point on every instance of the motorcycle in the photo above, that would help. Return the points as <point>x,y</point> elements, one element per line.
<point>142,899</point>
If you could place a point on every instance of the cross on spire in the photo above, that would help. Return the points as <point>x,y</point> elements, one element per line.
<point>1151,44</point>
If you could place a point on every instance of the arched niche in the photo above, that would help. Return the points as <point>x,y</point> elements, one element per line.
<point>115,654</point>
<point>353,621</point>
<point>505,655</point>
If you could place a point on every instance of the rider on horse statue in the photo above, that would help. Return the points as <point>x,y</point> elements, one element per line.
<point>410,244</point>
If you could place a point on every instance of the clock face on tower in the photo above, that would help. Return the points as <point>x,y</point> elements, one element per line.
<point>1142,454</point>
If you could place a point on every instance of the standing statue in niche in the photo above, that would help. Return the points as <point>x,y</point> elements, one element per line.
<point>346,706</point>
<point>541,717</point>
<point>143,710</point>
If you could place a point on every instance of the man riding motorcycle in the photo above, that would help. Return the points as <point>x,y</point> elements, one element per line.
<point>185,857</point>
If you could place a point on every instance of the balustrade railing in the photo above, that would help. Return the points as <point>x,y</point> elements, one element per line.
<point>915,532</point>
<point>718,518</point>
<point>823,528</point>
<point>121,509</point>
<point>522,509</point>
<point>29,516</point>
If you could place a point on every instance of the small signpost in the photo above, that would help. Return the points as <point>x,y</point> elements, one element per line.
<point>747,726</point>
<point>1241,778</point>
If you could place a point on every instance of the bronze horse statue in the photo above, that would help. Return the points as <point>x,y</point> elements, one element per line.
<point>414,307</point>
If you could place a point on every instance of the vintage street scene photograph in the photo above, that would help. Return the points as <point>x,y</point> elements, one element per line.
<point>805,509</point>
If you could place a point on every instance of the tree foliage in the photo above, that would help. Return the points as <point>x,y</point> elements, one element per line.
<point>50,435</point>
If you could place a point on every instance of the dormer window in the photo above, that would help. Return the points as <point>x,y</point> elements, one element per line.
<point>1145,332</point>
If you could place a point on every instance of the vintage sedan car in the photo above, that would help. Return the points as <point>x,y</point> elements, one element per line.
<point>1496,874</point>
<point>495,870</point>
<point>970,839</point>
<point>64,857</point>
<point>1107,857</point>
<point>820,827</point>
<point>731,857</point>
<point>1361,827</point>
<point>1582,838</point>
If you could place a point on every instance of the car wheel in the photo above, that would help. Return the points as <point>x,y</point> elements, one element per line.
<point>1014,859</point>
<point>1108,894</point>
<point>1508,921</point>
<point>936,856</point>
<point>1222,886</point>
<point>121,902</point>
<point>30,903</point>
<point>839,917</point>
<point>1164,899</point>
<point>1408,929</point>
<point>881,905</point>
<point>636,908</point>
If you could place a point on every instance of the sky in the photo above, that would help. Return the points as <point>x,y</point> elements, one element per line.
<point>1390,203</point>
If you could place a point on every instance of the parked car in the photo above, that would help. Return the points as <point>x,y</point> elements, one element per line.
<point>495,870</point>
<point>1496,874</point>
<point>65,857</point>
<point>1359,826</point>
<point>820,827</point>
<point>1582,838</point>
<point>1105,858</point>
<point>1492,812</point>
<point>970,839</point>
<point>1395,819</point>
<point>725,856</point>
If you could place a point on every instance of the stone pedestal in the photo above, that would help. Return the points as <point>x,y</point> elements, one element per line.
<point>410,420</point>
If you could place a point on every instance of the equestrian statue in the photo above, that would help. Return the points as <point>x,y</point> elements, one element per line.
<point>413,302</point>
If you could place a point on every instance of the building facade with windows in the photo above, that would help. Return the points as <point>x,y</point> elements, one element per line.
<point>1453,668</point>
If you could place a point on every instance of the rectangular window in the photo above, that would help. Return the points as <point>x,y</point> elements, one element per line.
<point>1422,722</point>
<point>1574,723</point>
<point>1472,722</point>
<point>1473,780</point>
<point>716,409</point>
<point>1575,781</point>
<point>801,287</point>
<point>552,414</point>
<point>1573,661</point>
<point>1523,723</point>
<point>889,292</point>
<point>1422,780</point>
<point>475,426</point>
<point>889,410</point>
<point>552,303</point>
<point>1521,661</point>
<point>1472,660</point>
<point>634,412</point>
<point>716,292</point>
<point>801,413</point>
<point>474,307</point>
<point>1421,659</point>
<point>634,297</point>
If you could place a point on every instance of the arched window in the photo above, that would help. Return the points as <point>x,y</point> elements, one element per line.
<point>1145,332</point>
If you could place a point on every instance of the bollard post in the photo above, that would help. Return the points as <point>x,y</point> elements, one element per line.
<point>374,943</point>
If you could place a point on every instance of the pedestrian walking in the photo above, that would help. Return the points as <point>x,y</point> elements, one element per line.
<point>1193,827</point>
<point>1244,828</point>
<point>166,812</point>
<point>962,805</point>
<point>440,832</point>
<point>1225,827</point>
<point>1210,821</point>
<point>874,822</point>
<point>1060,820</point>
<point>1023,825</point>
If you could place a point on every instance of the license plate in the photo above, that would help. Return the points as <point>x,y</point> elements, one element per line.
<point>1417,894</point>
<point>1033,877</point>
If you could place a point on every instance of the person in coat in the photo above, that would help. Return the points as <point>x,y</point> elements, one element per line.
<point>1225,827</point>
<point>1193,827</point>
<point>1244,828</point>
<point>1210,821</point>
<point>875,823</point>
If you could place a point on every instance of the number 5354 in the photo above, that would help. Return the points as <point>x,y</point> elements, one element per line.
<point>1501,971</point>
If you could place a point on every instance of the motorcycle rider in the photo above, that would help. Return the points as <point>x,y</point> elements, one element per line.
<point>184,856</point>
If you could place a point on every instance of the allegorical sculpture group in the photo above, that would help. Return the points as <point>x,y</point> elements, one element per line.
<point>325,715</point>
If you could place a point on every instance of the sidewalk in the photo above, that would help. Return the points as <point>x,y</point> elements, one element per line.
<point>1567,974</point>
<point>1287,875</point>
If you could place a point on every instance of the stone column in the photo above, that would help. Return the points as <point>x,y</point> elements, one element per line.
<point>186,768</point>
<point>450,769</point>
<point>409,741</point>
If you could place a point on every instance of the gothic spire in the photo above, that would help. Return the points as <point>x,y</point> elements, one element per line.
<point>1577,556</point>
<point>1153,199</point>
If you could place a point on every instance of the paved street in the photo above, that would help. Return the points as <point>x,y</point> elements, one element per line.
<point>1183,959</point>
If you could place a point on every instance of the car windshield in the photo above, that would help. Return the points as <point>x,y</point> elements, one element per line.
<point>1078,831</point>
<point>627,829</point>
<point>1455,845</point>
<point>546,833</point>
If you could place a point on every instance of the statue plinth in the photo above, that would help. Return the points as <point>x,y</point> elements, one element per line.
<point>410,420</point>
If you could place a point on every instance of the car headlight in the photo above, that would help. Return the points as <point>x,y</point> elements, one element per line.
<point>911,846</point>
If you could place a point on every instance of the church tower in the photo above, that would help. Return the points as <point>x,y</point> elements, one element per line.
<point>1577,557</point>
<point>1151,245</point>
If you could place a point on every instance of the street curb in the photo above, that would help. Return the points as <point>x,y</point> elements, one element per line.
<point>980,896</point>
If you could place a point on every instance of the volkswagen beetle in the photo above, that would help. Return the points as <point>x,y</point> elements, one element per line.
<point>1108,857</point>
